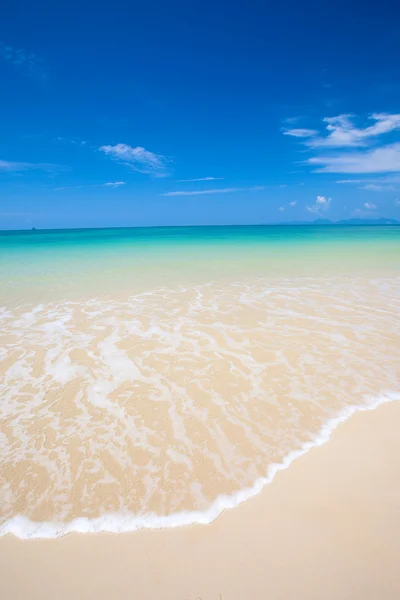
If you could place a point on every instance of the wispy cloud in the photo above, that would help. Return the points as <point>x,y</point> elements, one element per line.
<point>139,159</point>
<point>385,180</point>
<point>21,59</point>
<point>300,133</point>
<point>342,133</point>
<point>112,184</point>
<point>13,166</point>
<point>385,159</point>
<point>293,203</point>
<point>376,187</point>
<point>216,191</point>
<point>281,208</point>
<point>321,205</point>
<point>370,206</point>
<point>200,179</point>
<point>359,149</point>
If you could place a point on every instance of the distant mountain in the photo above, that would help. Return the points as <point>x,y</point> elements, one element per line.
<point>382,221</point>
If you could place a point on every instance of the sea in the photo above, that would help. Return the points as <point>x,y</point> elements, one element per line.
<point>155,377</point>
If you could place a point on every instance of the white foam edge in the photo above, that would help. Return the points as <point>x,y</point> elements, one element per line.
<point>24,528</point>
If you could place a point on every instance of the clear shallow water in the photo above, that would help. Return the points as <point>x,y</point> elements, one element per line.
<point>41,265</point>
<point>149,374</point>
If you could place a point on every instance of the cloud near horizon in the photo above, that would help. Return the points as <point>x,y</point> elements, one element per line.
<point>215,191</point>
<point>138,159</point>
<point>321,205</point>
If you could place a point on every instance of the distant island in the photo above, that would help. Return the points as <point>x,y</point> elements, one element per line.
<point>381,221</point>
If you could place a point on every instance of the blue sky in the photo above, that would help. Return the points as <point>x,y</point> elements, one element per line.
<point>198,112</point>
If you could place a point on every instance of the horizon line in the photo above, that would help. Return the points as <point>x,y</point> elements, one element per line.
<point>315,223</point>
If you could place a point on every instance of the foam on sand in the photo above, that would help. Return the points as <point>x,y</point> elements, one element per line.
<point>24,528</point>
<point>166,408</point>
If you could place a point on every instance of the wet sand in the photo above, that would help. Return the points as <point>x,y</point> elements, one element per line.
<point>175,401</point>
<point>327,527</point>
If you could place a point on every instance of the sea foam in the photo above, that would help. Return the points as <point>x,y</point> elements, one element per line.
<point>24,528</point>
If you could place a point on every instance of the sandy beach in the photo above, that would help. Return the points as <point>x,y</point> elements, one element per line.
<point>327,527</point>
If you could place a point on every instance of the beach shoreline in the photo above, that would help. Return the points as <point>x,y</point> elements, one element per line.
<point>327,527</point>
<point>24,528</point>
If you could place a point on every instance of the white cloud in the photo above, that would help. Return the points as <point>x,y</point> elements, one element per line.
<point>375,187</point>
<point>22,59</point>
<point>200,179</point>
<point>322,200</point>
<point>342,132</point>
<point>384,180</point>
<point>216,191</point>
<point>300,133</point>
<point>378,160</point>
<point>370,206</point>
<point>293,203</point>
<point>397,202</point>
<point>321,205</point>
<point>114,183</point>
<point>12,166</point>
<point>139,159</point>
<point>281,208</point>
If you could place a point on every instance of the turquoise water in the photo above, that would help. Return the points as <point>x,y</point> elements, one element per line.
<point>257,234</point>
<point>47,265</point>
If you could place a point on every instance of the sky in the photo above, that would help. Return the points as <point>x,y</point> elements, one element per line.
<point>198,113</point>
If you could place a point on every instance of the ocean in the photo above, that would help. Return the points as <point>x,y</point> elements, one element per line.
<point>154,377</point>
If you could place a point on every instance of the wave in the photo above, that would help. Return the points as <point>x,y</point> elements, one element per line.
<point>24,528</point>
